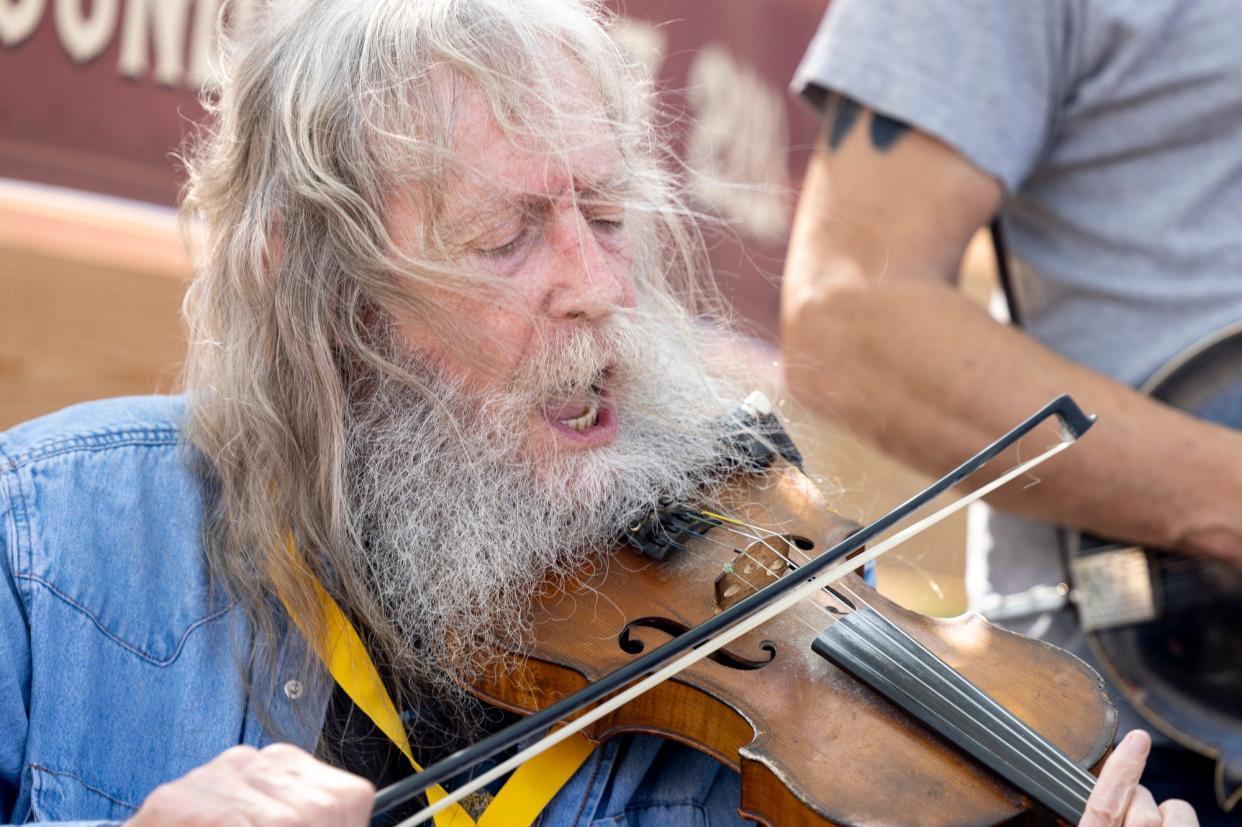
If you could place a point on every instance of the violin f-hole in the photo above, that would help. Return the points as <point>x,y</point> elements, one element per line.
<point>633,645</point>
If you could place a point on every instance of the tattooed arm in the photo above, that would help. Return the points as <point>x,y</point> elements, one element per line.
<point>876,333</point>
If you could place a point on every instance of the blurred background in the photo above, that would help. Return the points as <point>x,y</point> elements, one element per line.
<point>97,95</point>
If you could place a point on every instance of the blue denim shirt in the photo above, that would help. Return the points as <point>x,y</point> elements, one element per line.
<point>119,667</point>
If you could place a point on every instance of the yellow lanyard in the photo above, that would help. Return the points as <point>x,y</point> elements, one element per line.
<point>523,797</point>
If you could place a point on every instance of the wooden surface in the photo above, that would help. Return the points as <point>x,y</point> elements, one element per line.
<point>90,291</point>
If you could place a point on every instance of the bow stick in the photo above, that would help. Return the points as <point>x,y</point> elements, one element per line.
<point>699,642</point>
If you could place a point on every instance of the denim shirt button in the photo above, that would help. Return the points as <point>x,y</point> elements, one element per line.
<point>294,689</point>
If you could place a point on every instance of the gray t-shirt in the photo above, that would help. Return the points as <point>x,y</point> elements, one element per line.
<point>1115,127</point>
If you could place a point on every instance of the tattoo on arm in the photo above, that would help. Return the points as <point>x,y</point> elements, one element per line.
<point>840,115</point>
<point>886,131</point>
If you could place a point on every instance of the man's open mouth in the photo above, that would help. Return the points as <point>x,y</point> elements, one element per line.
<point>582,410</point>
<point>586,419</point>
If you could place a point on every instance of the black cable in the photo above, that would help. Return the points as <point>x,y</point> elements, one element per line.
<point>1003,272</point>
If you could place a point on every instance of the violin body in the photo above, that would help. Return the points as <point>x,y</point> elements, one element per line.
<point>813,745</point>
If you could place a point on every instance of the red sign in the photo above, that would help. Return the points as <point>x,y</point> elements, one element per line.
<point>99,94</point>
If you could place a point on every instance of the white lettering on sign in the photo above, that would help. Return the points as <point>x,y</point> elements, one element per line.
<point>204,68</point>
<point>19,19</point>
<point>168,18</point>
<point>738,146</point>
<point>86,27</point>
<point>85,36</point>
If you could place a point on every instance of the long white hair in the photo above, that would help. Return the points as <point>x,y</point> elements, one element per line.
<point>324,110</point>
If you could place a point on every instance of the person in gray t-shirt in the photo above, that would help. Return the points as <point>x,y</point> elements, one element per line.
<point>1108,136</point>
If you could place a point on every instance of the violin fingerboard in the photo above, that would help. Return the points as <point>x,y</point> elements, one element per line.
<point>884,657</point>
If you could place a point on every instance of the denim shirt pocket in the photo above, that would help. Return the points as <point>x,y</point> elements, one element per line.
<point>63,796</point>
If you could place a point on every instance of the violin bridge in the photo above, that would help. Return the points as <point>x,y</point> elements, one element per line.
<point>760,563</point>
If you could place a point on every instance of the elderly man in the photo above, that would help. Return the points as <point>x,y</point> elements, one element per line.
<point>442,345</point>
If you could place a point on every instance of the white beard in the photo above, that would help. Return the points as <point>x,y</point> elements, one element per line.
<point>459,529</point>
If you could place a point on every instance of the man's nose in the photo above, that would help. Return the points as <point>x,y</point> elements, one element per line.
<point>591,282</point>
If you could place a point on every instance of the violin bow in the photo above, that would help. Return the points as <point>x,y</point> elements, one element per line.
<point>698,642</point>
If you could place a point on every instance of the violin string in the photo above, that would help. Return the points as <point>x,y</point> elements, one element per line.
<point>1016,726</point>
<point>1171,600</point>
<point>1062,772</point>
<point>793,565</point>
<point>996,713</point>
<point>744,553</point>
<point>1049,753</point>
<point>1056,766</point>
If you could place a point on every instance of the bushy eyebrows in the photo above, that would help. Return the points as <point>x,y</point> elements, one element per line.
<point>612,189</point>
<point>604,192</point>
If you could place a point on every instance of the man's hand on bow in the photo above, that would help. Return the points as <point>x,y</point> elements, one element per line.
<point>280,786</point>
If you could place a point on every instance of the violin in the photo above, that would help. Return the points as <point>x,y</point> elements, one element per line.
<point>845,709</point>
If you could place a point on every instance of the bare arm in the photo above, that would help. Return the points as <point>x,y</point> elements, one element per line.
<point>876,333</point>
